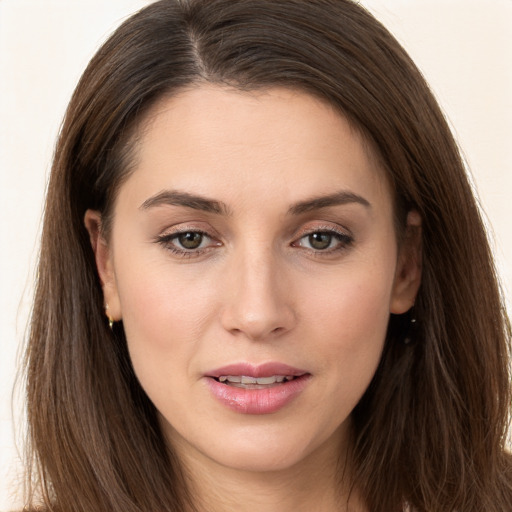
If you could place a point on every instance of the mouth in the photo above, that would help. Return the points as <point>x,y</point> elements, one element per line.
<point>263,389</point>
<point>248,382</point>
<point>247,375</point>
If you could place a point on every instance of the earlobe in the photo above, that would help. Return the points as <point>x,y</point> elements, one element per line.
<point>104,263</point>
<point>408,271</point>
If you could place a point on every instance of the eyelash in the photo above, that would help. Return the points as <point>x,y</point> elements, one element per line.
<point>344,242</point>
<point>167,241</point>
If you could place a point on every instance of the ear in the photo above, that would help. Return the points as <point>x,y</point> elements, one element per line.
<point>408,271</point>
<point>104,264</point>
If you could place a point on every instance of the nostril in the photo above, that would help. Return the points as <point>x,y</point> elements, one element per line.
<point>257,313</point>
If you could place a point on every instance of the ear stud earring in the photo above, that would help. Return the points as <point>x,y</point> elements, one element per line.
<point>110,319</point>
<point>409,337</point>
<point>411,326</point>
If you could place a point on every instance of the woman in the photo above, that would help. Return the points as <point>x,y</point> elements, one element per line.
<point>264,281</point>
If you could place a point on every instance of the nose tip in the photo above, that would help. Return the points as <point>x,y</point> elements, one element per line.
<point>258,329</point>
<point>259,305</point>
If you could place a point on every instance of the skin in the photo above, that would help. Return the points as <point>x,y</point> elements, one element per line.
<point>258,288</point>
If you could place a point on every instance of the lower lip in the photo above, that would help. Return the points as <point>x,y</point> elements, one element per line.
<point>257,401</point>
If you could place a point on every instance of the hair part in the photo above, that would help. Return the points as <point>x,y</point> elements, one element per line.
<point>430,430</point>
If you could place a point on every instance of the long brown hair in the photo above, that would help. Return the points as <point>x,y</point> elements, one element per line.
<point>430,431</point>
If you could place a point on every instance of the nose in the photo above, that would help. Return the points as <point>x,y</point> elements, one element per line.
<point>259,304</point>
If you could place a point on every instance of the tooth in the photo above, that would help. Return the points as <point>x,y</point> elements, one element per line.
<point>263,381</point>
<point>266,380</point>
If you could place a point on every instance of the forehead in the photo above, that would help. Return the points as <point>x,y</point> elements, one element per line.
<point>218,140</point>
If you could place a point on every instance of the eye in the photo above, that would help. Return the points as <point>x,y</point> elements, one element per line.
<point>320,241</point>
<point>324,241</point>
<point>190,239</point>
<point>187,243</point>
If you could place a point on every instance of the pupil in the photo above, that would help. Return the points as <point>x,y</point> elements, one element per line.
<point>190,240</point>
<point>320,240</point>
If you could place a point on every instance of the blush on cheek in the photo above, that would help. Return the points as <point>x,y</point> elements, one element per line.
<point>360,312</point>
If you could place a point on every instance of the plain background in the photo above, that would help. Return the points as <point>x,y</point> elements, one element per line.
<point>463,47</point>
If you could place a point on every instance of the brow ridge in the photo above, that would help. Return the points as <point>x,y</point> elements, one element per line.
<point>338,198</point>
<point>197,202</point>
<point>179,198</point>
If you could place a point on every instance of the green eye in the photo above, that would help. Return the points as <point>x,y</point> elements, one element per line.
<point>324,241</point>
<point>320,241</point>
<point>190,239</point>
<point>187,243</point>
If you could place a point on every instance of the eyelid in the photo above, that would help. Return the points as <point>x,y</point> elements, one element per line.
<point>189,227</point>
<point>167,237</point>
<point>344,237</point>
<point>323,228</point>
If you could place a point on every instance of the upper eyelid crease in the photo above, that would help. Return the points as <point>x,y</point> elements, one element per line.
<point>332,232</point>
<point>327,228</point>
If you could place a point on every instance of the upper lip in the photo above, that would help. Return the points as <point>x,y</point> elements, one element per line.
<point>261,370</point>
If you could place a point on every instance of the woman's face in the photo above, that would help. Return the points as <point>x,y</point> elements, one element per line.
<point>254,263</point>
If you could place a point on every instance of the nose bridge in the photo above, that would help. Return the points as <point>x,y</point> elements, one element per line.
<point>258,304</point>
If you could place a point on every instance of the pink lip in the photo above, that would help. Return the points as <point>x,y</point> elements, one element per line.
<point>257,401</point>
<point>262,370</point>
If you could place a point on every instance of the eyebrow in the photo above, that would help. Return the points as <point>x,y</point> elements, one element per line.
<point>177,198</point>
<point>338,198</point>
<point>197,202</point>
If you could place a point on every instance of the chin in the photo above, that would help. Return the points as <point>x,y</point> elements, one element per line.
<point>259,458</point>
<point>261,448</point>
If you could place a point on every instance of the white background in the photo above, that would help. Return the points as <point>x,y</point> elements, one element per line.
<point>464,47</point>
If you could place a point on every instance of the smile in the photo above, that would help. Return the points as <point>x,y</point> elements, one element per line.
<point>247,382</point>
<point>263,389</point>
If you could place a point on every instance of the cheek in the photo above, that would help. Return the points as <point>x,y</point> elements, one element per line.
<point>353,303</point>
<point>163,320</point>
<point>350,321</point>
<point>159,301</point>
<point>164,314</point>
